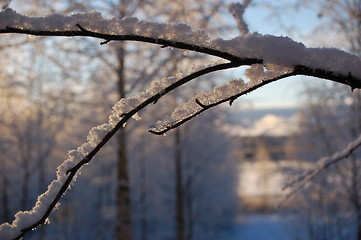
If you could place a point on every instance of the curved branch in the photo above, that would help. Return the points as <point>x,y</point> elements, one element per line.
<point>71,173</point>
<point>348,79</point>
<point>164,126</point>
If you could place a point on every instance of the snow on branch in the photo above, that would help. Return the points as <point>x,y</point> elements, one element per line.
<point>258,76</point>
<point>26,221</point>
<point>321,165</point>
<point>252,48</point>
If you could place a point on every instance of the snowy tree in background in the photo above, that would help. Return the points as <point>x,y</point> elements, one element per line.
<point>269,58</point>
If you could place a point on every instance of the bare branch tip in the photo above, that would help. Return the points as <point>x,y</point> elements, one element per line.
<point>201,104</point>
<point>81,28</point>
<point>106,41</point>
<point>232,100</point>
<point>154,132</point>
<point>157,98</point>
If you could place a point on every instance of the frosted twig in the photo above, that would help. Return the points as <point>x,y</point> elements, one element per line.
<point>237,10</point>
<point>224,93</point>
<point>257,80</point>
<point>321,165</point>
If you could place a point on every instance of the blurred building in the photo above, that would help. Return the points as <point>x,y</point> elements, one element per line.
<point>262,144</point>
<point>261,178</point>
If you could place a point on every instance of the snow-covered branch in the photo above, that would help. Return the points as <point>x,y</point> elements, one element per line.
<point>331,64</point>
<point>228,92</point>
<point>98,136</point>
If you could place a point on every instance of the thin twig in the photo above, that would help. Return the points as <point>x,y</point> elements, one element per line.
<point>250,88</point>
<point>322,164</point>
<point>201,104</point>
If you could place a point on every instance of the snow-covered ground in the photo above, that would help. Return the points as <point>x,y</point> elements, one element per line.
<point>265,227</point>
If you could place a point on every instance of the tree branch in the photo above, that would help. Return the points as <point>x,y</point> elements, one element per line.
<point>321,165</point>
<point>331,64</point>
<point>237,10</point>
<point>82,30</point>
<point>72,172</point>
<point>164,126</point>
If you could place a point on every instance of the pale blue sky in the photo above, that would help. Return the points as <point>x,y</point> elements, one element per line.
<point>285,92</point>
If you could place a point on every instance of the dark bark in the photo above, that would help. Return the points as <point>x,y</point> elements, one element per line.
<point>179,190</point>
<point>355,196</point>
<point>4,199</point>
<point>124,222</point>
<point>143,199</point>
<point>189,206</point>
